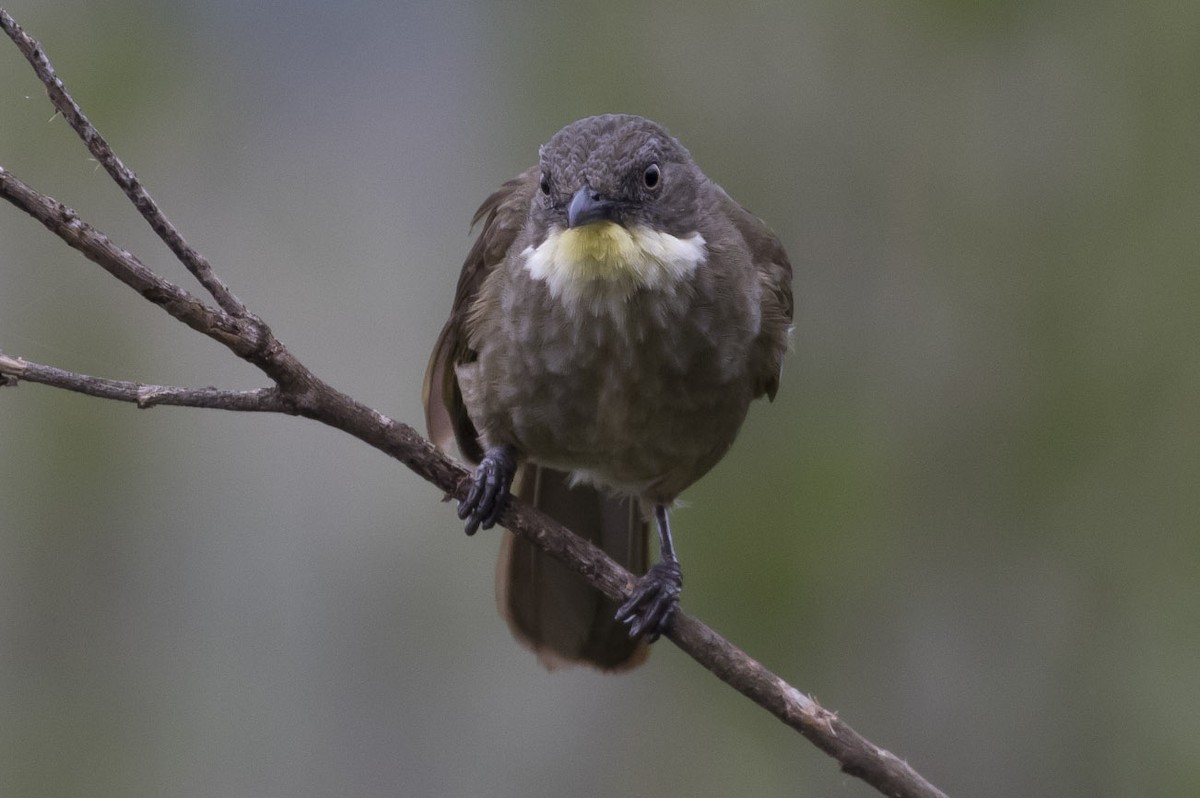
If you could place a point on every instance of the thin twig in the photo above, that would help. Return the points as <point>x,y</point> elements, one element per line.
<point>196,263</point>
<point>120,263</point>
<point>300,392</point>
<point>144,395</point>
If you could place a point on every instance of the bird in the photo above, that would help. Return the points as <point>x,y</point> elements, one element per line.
<point>616,315</point>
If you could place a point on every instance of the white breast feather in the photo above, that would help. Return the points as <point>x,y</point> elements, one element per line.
<point>598,266</point>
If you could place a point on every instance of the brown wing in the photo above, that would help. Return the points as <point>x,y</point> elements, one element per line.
<point>775,280</point>
<point>503,215</point>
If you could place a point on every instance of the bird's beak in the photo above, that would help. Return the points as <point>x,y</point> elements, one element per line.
<point>586,207</point>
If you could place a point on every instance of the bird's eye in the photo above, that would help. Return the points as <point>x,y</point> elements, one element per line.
<point>545,184</point>
<point>652,176</point>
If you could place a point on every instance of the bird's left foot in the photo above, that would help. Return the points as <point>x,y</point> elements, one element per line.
<point>490,491</point>
<point>654,600</point>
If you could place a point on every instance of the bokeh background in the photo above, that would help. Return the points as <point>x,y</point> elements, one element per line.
<point>969,523</point>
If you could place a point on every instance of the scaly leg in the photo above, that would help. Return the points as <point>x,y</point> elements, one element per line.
<point>655,597</point>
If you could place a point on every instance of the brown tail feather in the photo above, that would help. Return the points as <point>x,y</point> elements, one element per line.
<point>550,608</point>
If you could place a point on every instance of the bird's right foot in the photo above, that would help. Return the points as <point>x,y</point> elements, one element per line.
<point>655,599</point>
<point>490,491</point>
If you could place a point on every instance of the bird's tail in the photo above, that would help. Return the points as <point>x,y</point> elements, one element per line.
<point>552,609</point>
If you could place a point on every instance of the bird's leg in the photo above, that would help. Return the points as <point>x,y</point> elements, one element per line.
<point>655,596</point>
<point>490,491</point>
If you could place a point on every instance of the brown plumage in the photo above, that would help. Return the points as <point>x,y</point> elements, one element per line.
<point>612,322</point>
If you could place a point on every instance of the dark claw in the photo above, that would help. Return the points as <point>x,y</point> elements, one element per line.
<point>490,490</point>
<point>652,605</point>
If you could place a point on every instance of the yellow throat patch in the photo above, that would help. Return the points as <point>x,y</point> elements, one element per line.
<point>606,260</point>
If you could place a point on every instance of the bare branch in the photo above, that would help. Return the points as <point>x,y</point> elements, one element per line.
<point>124,177</point>
<point>239,335</point>
<point>857,755</point>
<point>300,392</point>
<point>267,400</point>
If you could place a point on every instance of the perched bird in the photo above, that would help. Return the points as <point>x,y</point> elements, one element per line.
<point>613,320</point>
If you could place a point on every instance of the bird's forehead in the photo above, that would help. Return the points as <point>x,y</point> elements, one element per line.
<point>600,149</point>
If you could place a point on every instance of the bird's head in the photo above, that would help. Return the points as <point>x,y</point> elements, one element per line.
<point>617,202</point>
<point>617,168</point>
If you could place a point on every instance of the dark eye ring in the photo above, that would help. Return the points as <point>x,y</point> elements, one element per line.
<point>652,176</point>
<point>545,184</point>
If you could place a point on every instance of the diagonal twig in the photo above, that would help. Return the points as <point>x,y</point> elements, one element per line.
<point>126,267</point>
<point>196,263</point>
<point>246,336</point>
<point>299,392</point>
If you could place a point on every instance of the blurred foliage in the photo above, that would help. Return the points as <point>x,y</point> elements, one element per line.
<point>968,523</point>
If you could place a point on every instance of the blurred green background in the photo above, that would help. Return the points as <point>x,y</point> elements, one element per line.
<point>968,523</point>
